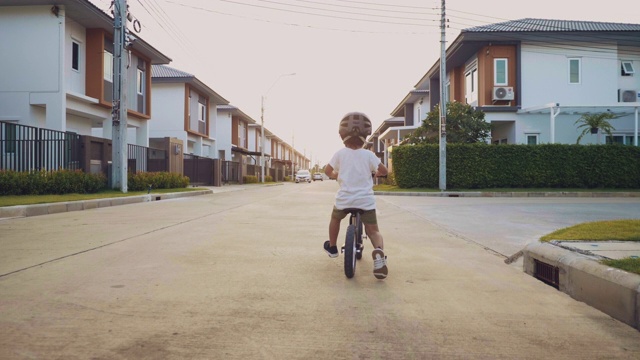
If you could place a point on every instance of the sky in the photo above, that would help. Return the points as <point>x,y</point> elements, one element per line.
<point>347,55</point>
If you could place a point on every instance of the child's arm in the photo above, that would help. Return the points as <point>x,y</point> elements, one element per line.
<point>382,170</point>
<point>328,170</point>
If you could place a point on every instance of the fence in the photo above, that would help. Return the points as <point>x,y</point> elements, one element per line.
<point>200,170</point>
<point>27,148</point>
<point>230,171</point>
<point>144,159</point>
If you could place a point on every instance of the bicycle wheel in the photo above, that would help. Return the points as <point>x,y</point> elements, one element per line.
<point>350,252</point>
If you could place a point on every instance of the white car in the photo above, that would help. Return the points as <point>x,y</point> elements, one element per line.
<point>303,175</point>
<point>317,176</point>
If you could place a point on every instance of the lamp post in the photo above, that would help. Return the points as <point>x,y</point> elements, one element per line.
<point>262,162</point>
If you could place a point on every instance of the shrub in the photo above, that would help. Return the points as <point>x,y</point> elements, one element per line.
<point>476,166</point>
<point>268,178</point>
<point>156,180</point>
<point>250,179</point>
<point>53,182</point>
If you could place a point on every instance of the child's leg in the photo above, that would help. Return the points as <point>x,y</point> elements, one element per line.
<point>334,229</point>
<point>374,235</point>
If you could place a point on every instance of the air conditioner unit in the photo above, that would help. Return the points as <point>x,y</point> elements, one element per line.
<point>503,93</point>
<point>628,96</point>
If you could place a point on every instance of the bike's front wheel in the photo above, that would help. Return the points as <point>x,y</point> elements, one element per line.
<point>350,252</point>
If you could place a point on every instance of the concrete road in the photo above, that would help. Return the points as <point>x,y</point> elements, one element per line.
<point>242,275</point>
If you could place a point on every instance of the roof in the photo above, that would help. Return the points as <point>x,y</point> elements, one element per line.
<point>546,25</point>
<point>169,72</point>
<point>166,74</point>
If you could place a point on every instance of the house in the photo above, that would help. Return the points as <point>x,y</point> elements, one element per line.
<point>388,134</point>
<point>185,108</point>
<point>57,69</point>
<point>533,78</point>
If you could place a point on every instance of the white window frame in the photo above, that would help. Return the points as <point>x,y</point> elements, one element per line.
<point>579,62</point>
<point>535,135</point>
<point>506,72</point>
<point>140,81</point>
<point>471,85</point>
<point>75,57</point>
<point>627,68</point>
<point>108,66</point>
<point>202,112</point>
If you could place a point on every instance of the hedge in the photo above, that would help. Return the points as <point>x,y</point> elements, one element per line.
<point>54,182</point>
<point>477,166</point>
<point>157,180</point>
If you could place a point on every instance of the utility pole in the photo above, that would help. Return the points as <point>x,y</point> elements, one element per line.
<point>119,110</point>
<point>443,105</point>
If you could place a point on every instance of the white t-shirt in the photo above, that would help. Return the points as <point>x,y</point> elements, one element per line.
<point>354,168</point>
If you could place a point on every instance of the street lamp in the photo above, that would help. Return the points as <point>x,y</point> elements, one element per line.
<point>262,162</point>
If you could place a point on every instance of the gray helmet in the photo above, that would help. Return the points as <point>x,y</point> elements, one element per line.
<point>355,124</point>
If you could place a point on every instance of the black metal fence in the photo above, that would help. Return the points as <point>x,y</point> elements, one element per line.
<point>144,159</point>
<point>200,170</point>
<point>28,148</point>
<point>230,171</point>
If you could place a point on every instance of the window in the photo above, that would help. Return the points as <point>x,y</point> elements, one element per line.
<point>627,68</point>
<point>532,139</point>
<point>470,88</point>
<point>140,82</point>
<point>500,72</point>
<point>574,71</point>
<point>620,139</point>
<point>108,66</point>
<point>75,56</point>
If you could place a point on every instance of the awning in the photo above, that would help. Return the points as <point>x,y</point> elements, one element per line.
<point>247,152</point>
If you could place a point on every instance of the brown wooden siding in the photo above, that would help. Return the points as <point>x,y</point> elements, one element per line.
<point>235,123</point>
<point>486,56</point>
<point>95,64</point>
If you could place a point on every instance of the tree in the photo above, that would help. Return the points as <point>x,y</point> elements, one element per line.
<point>464,125</point>
<point>592,122</point>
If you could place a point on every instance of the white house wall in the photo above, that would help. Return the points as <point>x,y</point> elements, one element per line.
<point>75,80</point>
<point>545,76</point>
<point>32,74</point>
<point>630,82</point>
<point>167,111</point>
<point>223,126</point>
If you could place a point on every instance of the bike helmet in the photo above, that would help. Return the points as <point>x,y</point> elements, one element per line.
<point>355,124</point>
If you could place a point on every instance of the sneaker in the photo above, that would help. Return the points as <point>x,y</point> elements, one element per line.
<point>331,250</point>
<point>379,264</point>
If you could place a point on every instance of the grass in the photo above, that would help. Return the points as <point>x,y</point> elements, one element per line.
<point>621,230</point>
<point>14,200</point>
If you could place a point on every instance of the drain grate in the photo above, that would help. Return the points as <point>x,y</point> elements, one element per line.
<point>547,273</point>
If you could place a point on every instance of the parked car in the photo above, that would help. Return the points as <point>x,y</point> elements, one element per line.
<point>317,176</point>
<point>303,175</point>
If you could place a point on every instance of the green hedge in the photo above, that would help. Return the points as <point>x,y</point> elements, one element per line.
<point>157,180</point>
<point>477,166</point>
<point>55,182</point>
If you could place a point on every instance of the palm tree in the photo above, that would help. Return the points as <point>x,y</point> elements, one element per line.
<point>593,122</point>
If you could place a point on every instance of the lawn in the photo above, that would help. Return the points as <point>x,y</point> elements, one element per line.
<point>44,199</point>
<point>620,230</point>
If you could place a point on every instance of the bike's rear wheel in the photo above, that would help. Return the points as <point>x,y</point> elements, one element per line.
<point>350,252</point>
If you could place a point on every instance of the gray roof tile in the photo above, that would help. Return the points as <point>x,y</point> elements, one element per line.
<point>163,71</point>
<point>546,25</point>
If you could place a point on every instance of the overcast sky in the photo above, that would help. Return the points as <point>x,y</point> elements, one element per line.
<point>348,55</point>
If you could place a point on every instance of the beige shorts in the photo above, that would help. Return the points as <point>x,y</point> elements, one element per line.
<point>368,216</point>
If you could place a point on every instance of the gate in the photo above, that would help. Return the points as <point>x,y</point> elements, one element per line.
<point>230,171</point>
<point>200,170</point>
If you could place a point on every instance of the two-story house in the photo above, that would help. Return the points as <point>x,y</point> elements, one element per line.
<point>533,78</point>
<point>185,108</point>
<point>57,69</point>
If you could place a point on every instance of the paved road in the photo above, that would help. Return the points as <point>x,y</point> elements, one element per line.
<point>241,275</point>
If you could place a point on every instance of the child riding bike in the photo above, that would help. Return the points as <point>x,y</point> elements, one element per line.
<point>353,166</point>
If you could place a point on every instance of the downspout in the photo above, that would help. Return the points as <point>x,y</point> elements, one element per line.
<point>553,113</point>
<point>635,128</point>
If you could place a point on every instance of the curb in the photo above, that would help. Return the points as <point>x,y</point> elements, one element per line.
<point>54,208</point>
<point>612,291</point>
<point>522,194</point>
